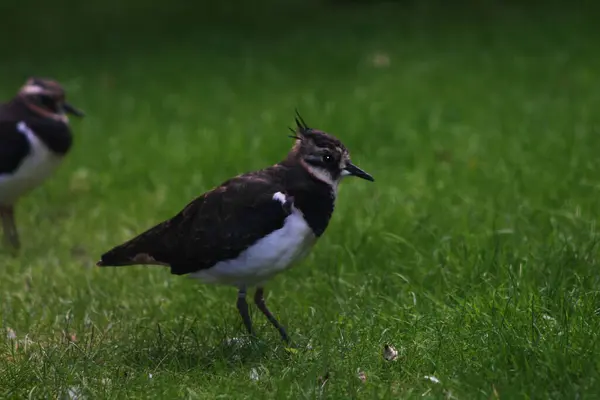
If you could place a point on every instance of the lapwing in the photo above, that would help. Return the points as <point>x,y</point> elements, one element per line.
<point>253,226</point>
<point>34,138</point>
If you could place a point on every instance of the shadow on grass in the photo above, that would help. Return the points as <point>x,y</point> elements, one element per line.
<point>185,348</point>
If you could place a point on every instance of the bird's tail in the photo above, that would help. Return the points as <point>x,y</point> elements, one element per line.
<point>144,249</point>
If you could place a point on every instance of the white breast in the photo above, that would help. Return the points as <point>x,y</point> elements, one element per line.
<point>39,164</point>
<point>270,255</point>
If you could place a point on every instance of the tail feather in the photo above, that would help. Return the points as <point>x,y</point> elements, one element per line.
<point>114,259</point>
<point>144,249</point>
<point>159,245</point>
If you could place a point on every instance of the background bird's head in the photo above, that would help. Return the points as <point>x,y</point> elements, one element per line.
<point>324,156</point>
<point>46,98</point>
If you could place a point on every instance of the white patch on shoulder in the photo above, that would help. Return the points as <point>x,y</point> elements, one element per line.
<point>280,197</point>
<point>274,253</point>
<point>35,168</point>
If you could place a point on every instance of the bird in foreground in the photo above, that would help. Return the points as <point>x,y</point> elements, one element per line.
<point>253,226</point>
<point>34,139</point>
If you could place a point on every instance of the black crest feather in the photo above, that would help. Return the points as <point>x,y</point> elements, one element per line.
<point>300,122</point>
<point>294,136</point>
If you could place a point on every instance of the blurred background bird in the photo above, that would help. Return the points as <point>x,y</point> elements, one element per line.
<point>34,138</point>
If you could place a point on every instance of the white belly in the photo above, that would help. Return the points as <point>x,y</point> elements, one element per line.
<point>39,164</point>
<point>267,257</point>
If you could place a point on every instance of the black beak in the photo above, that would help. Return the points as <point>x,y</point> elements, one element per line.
<point>353,170</point>
<point>72,110</point>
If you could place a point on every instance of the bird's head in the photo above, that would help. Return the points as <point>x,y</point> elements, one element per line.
<point>324,156</point>
<point>46,98</point>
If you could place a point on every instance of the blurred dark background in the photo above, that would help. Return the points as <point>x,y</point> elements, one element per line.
<point>39,28</point>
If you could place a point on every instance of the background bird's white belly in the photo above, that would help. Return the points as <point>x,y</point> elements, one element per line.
<point>39,164</point>
<point>272,254</point>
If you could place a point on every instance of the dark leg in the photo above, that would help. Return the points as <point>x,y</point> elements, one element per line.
<point>262,306</point>
<point>11,236</point>
<point>242,306</point>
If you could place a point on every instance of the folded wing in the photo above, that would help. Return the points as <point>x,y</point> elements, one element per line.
<point>216,226</point>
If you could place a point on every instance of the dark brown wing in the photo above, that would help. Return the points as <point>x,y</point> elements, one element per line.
<point>216,226</point>
<point>14,147</point>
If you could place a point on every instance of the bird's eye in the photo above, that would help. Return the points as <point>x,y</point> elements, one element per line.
<point>327,158</point>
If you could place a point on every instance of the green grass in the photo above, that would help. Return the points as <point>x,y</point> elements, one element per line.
<point>475,252</point>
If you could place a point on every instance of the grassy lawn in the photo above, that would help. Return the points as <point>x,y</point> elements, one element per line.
<point>475,252</point>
